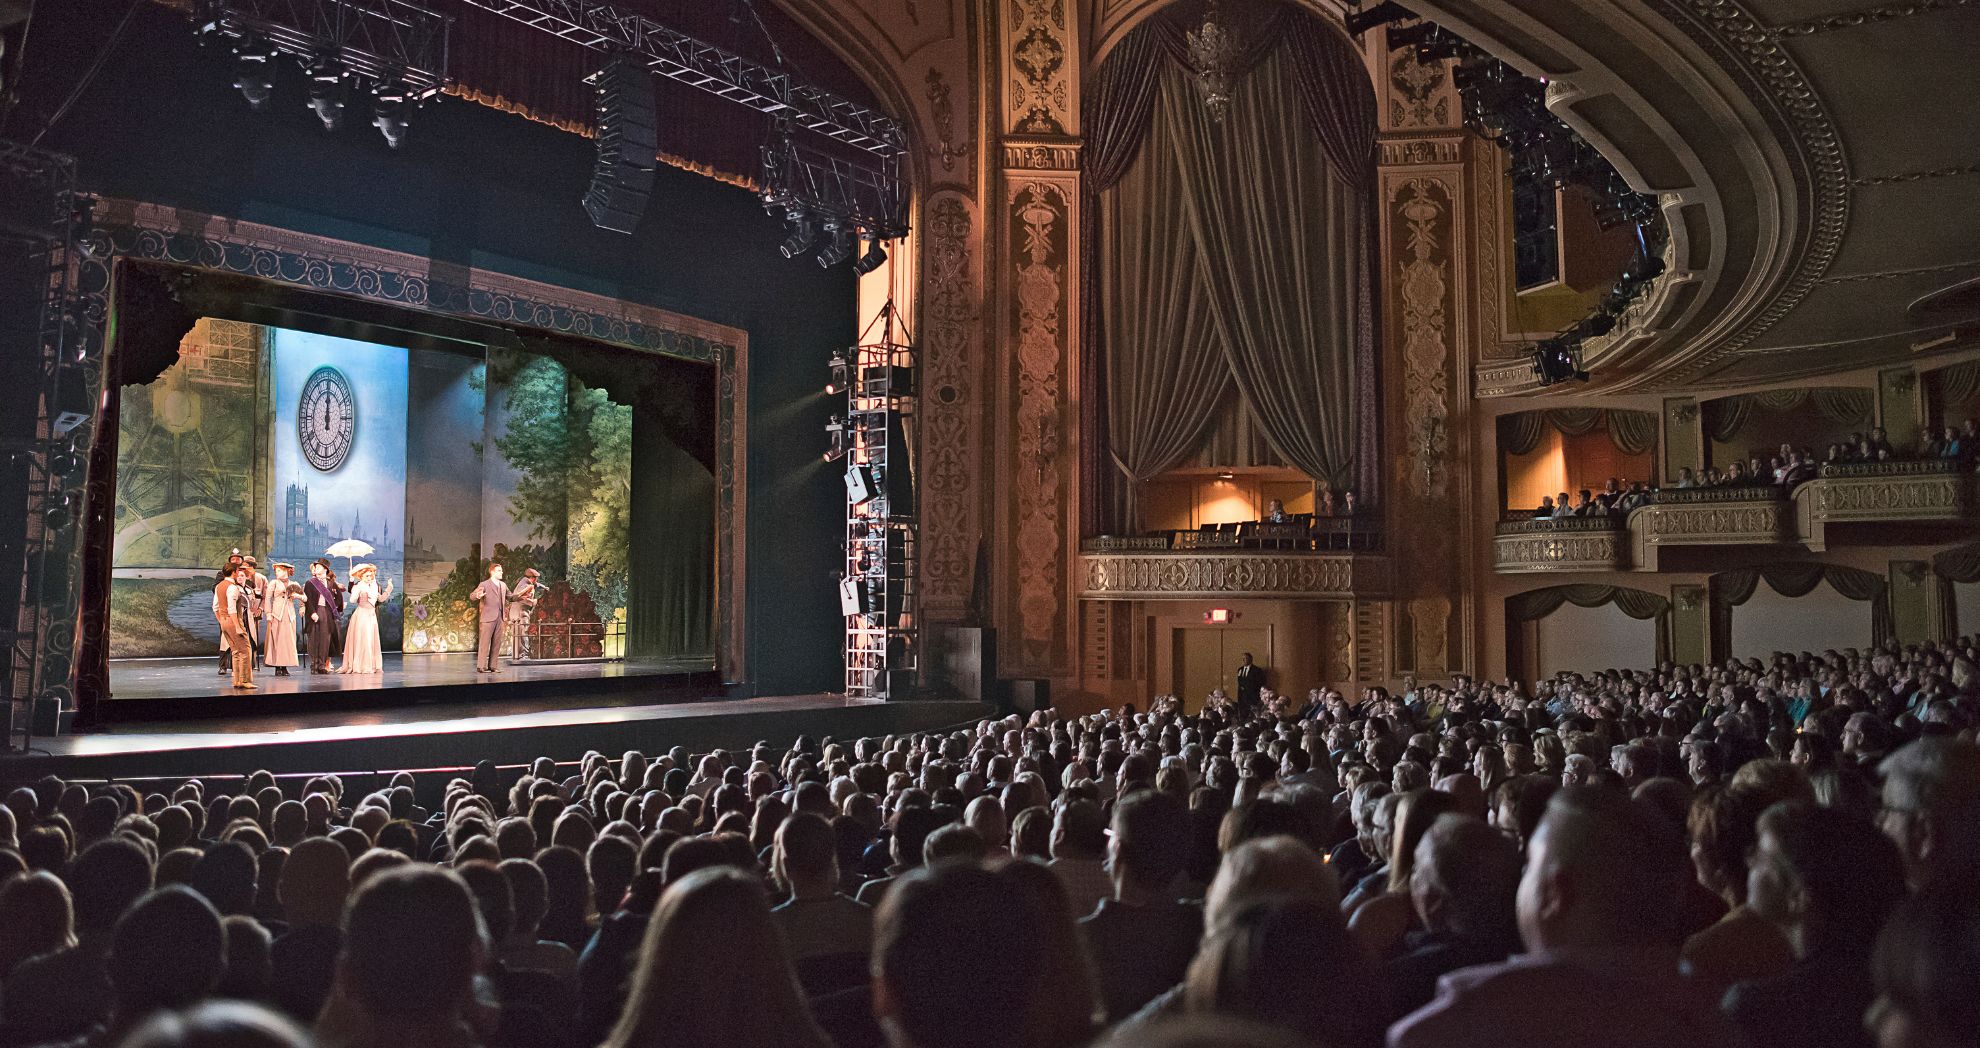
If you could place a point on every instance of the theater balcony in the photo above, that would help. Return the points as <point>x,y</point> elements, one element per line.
<point>1332,560</point>
<point>1927,502</point>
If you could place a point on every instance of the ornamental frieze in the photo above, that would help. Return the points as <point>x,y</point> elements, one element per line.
<point>1599,551</point>
<point>1180,575</point>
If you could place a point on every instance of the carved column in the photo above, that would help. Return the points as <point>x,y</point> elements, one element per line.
<point>1037,227</point>
<point>1427,331</point>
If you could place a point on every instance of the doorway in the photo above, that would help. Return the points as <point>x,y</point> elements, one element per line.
<point>1207,659</point>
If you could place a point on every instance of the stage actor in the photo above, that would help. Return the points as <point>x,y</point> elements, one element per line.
<point>364,652</point>
<point>230,601</point>
<point>220,580</point>
<point>491,602</point>
<point>257,607</point>
<point>522,607</point>
<point>278,640</point>
<point>323,608</point>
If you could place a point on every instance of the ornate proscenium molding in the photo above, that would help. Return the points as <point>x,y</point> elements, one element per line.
<point>1180,576</point>
<point>1520,547</point>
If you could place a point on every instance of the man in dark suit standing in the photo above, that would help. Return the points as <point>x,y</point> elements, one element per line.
<point>323,602</point>
<point>491,602</point>
<point>1250,681</point>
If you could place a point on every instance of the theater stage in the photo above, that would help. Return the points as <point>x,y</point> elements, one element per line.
<point>509,731</point>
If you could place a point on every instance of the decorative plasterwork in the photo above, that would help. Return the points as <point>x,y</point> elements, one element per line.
<point>175,236</point>
<point>1421,151</point>
<point>1116,576</point>
<point>1421,97</point>
<point>950,464</point>
<point>1567,551</point>
<point>1422,214</point>
<point>1755,523</point>
<point>948,147</point>
<point>1867,16</point>
<point>1040,156</point>
<point>1914,498</point>
<point>1040,237</point>
<point>1039,61</point>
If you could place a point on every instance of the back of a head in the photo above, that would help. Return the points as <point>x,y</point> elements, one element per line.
<point>1622,867</point>
<point>912,827</point>
<point>225,874</point>
<point>807,849</point>
<point>315,880</point>
<point>168,950</point>
<point>945,939</point>
<point>1472,870</point>
<point>1933,785</point>
<point>1852,874</point>
<point>105,880</point>
<point>1269,868</point>
<point>218,1024</point>
<point>1267,961</point>
<point>954,842</point>
<point>1927,971</point>
<point>1151,831</point>
<point>411,941</point>
<point>713,971</point>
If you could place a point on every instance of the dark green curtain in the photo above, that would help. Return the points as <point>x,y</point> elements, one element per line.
<point>671,566</point>
<point>1730,589</point>
<point>1956,565</point>
<point>1633,432</point>
<point>1635,603</point>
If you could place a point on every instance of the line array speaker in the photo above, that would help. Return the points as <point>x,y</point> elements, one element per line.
<point>628,143</point>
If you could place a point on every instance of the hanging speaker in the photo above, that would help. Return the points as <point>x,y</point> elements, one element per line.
<point>860,486</point>
<point>852,596</point>
<point>628,143</point>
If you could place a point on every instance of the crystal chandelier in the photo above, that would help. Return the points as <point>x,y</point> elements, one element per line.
<point>1213,53</point>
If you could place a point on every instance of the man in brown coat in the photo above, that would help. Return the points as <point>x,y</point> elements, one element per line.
<point>231,598</point>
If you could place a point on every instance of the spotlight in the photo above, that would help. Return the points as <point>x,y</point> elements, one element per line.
<point>838,244</point>
<point>329,88</point>
<point>875,257</point>
<point>58,515</point>
<point>835,432</point>
<point>841,374</point>
<point>1359,22</point>
<point>65,464</point>
<point>254,72</point>
<point>801,233</point>
<point>1412,35</point>
<point>1555,361</point>
<point>388,107</point>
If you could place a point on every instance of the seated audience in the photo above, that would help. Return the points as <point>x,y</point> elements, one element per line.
<point>1142,938</point>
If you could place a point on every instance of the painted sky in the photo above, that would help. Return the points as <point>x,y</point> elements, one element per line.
<point>443,465</point>
<point>369,489</point>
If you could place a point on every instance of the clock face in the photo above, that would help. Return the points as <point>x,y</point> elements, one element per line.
<point>326,419</point>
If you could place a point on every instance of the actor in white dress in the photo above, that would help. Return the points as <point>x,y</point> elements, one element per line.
<point>364,652</point>
<point>278,641</point>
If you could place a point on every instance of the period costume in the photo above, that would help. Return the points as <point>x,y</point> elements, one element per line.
<point>364,651</point>
<point>230,610</point>
<point>522,605</point>
<point>278,641</point>
<point>257,607</point>
<point>491,601</point>
<point>323,610</point>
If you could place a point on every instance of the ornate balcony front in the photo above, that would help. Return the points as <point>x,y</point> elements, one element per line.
<point>1928,491</point>
<point>1265,574</point>
<point>1731,516</point>
<point>1560,544</point>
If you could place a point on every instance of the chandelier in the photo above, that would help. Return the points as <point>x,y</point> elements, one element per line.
<point>1213,54</point>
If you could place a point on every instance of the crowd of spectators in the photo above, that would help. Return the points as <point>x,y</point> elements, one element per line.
<point>1614,500</point>
<point>1779,853</point>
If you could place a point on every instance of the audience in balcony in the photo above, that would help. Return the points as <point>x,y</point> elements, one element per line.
<point>1768,853</point>
<point>1614,500</point>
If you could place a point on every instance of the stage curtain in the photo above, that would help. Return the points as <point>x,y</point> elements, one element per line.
<point>1520,432</point>
<point>1575,422</point>
<point>1847,407</point>
<point>1779,399</point>
<point>1730,589</point>
<point>671,563</point>
<point>1115,113</point>
<point>1280,257</point>
<point>1165,372</point>
<point>1637,604</point>
<point>1958,383</point>
<point>1956,565</point>
<point>1339,102</point>
<point>1632,432</point>
<point>1725,417</point>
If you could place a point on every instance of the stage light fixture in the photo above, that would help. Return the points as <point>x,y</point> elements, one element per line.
<point>329,91</point>
<point>838,244</point>
<point>1359,22</point>
<point>254,72</point>
<point>389,104</point>
<point>835,433</point>
<point>841,374</point>
<point>1554,360</point>
<point>801,233</point>
<point>874,258</point>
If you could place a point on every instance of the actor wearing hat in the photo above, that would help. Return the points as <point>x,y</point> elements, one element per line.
<point>522,605</point>
<point>364,650</point>
<point>222,580</point>
<point>278,640</point>
<point>257,607</point>
<point>323,609</point>
<point>491,602</point>
<point>231,597</point>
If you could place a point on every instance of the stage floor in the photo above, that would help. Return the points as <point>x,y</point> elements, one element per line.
<point>190,678</point>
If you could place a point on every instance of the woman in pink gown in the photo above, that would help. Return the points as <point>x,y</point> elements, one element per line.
<point>279,638</point>
<point>364,652</point>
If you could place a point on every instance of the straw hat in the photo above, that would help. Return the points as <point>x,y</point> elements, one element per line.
<point>363,569</point>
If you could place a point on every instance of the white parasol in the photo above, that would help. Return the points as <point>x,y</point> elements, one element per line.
<point>348,549</point>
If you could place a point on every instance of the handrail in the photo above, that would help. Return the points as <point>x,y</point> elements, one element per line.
<point>1892,468</point>
<point>1542,525</point>
<point>1724,493</point>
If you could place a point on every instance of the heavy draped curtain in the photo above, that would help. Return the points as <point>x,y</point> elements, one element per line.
<point>1725,417</point>
<point>1234,253</point>
<point>1959,564</point>
<point>1730,589</point>
<point>1958,383</point>
<point>1632,432</point>
<point>1637,604</point>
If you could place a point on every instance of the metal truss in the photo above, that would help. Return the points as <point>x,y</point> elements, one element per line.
<point>392,42</point>
<point>682,58</point>
<point>874,201</point>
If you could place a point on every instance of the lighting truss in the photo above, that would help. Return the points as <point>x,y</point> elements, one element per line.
<point>872,200</point>
<point>682,58</point>
<point>393,42</point>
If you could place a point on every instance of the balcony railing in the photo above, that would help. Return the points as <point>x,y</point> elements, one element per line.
<point>1216,573</point>
<point>1560,544</point>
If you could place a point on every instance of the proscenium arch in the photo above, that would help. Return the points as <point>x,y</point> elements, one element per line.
<point>854,36</point>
